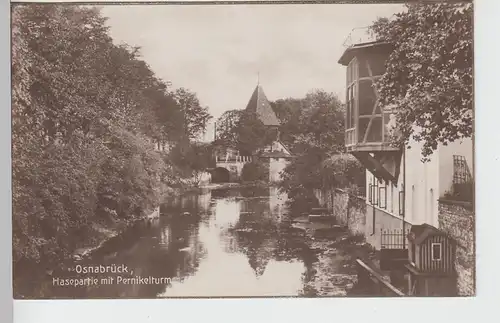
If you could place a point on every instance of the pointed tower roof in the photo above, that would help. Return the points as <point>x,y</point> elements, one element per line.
<point>260,105</point>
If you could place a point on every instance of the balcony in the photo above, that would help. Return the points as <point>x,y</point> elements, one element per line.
<point>367,122</point>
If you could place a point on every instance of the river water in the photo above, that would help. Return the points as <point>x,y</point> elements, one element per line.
<point>217,243</point>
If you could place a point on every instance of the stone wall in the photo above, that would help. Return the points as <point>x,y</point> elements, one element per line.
<point>458,220</point>
<point>356,214</point>
<point>349,210</point>
<point>360,218</point>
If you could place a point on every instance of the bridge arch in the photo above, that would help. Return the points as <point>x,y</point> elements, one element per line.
<point>220,175</point>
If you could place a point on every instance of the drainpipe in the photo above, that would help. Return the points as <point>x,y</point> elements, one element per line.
<point>404,195</point>
<point>373,204</point>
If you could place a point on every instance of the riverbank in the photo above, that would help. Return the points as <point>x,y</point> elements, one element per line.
<point>99,239</point>
<point>105,235</point>
<point>333,272</point>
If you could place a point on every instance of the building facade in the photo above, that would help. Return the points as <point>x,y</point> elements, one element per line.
<point>401,190</point>
<point>389,203</point>
<point>278,156</point>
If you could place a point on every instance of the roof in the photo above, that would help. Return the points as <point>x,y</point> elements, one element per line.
<point>260,105</point>
<point>419,233</point>
<point>353,50</point>
<point>284,147</point>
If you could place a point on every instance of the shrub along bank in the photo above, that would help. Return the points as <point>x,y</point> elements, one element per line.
<point>85,116</point>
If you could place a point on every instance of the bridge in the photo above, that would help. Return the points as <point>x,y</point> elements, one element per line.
<point>228,168</point>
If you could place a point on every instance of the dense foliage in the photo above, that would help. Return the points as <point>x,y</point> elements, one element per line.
<point>314,122</point>
<point>429,75</point>
<point>244,131</point>
<point>195,116</point>
<point>226,128</point>
<point>313,127</point>
<point>192,159</point>
<point>85,113</point>
<point>344,171</point>
<point>255,171</point>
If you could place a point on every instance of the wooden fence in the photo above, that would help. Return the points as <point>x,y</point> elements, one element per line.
<point>372,283</point>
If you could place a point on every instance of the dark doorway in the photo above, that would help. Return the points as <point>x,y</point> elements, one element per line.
<point>220,175</point>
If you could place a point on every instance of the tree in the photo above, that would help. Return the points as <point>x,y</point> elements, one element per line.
<point>200,158</point>
<point>78,80</point>
<point>288,112</point>
<point>242,130</point>
<point>345,171</point>
<point>192,158</point>
<point>83,114</point>
<point>53,49</point>
<point>226,128</point>
<point>315,131</point>
<point>321,123</point>
<point>252,134</point>
<point>429,74</point>
<point>195,117</point>
<point>315,121</point>
<point>255,171</point>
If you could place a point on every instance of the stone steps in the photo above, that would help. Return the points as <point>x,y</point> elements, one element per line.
<point>321,218</point>
<point>319,210</point>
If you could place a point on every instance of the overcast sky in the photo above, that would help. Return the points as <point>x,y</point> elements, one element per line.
<point>217,51</point>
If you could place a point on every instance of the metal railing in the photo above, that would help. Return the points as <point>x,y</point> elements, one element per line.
<point>463,181</point>
<point>362,35</point>
<point>461,171</point>
<point>358,36</point>
<point>393,239</point>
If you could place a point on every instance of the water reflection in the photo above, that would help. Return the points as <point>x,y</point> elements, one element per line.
<point>235,265</point>
<point>233,242</point>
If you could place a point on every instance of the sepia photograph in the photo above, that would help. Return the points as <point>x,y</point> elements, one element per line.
<point>242,150</point>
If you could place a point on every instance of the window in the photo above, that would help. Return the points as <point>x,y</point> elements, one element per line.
<point>350,93</point>
<point>370,193</point>
<point>436,251</point>
<point>375,197</point>
<point>350,106</point>
<point>401,203</point>
<point>382,194</point>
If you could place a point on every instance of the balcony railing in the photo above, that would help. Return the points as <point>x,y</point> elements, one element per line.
<point>358,36</point>
<point>233,159</point>
<point>463,181</point>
